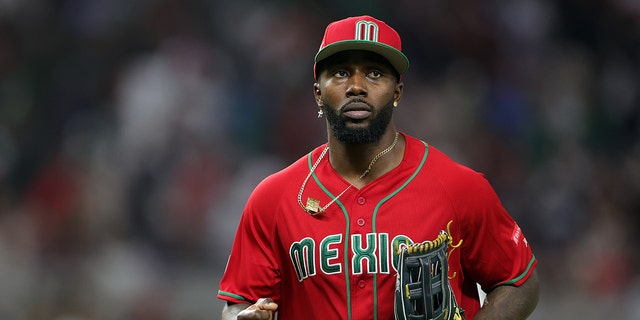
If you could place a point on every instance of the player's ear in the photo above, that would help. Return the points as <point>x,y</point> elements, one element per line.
<point>317,93</point>
<point>397,95</point>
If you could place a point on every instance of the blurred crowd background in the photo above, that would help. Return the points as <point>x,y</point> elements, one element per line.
<point>132,132</point>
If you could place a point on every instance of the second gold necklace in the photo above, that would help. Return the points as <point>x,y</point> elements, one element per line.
<point>313,206</point>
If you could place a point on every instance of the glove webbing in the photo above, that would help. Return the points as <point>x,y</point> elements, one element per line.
<point>414,290</point>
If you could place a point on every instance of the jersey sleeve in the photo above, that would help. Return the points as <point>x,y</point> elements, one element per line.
<point>495,250</point>
<point>252,271</point>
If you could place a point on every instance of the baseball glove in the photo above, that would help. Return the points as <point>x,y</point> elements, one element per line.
<point>423,290</point>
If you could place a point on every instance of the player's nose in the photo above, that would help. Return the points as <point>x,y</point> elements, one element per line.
<point>357,85</point>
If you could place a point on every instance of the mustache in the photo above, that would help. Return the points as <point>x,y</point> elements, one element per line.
<point>355,100</point>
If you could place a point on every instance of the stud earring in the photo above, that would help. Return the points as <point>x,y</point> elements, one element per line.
<point>395,104</point>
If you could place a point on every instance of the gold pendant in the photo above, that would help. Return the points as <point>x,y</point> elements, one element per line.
<point>313,206</point>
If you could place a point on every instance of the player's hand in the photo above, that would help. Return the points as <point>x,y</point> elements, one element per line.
<point>263,309</point>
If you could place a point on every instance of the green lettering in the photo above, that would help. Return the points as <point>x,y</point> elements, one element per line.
<point>327,254</point>
<point>383,254</point>
<point>361,253</point>
<point>303,258</point>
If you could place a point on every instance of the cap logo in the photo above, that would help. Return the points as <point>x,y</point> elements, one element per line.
<point>366,30</point>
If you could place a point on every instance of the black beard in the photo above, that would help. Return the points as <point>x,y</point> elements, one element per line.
<point>367,135</point>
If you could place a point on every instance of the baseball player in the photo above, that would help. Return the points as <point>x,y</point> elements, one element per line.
<point>320,239</point>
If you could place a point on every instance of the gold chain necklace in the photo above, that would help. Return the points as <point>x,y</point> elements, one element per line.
<point>313,205</point>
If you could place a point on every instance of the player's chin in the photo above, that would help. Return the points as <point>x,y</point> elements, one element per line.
<point>356,124</point>
<point>357,130</point>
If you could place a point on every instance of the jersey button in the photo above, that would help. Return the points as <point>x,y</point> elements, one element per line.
<point>361,284</point>
<point>362,200</point>
<point>360,222</point>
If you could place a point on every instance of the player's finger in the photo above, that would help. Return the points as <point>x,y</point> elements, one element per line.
<point>266,304</point>
<point>263,309</point>
<point>249,314</point>
<point>254,315</point>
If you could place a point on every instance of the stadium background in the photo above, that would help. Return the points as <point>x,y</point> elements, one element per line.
<point>131,133</point>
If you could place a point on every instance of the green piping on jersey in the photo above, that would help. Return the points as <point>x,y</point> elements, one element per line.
<point>375,213</point>
<point>522,275</point>
<point>229,294</point>
<point>346,241</point>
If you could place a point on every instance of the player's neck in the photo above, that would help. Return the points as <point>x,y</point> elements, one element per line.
<point>360,164</point>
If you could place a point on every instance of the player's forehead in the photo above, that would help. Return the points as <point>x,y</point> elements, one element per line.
<point>357,57</point>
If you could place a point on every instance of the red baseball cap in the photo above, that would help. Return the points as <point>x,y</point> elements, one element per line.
<point>363,33</point>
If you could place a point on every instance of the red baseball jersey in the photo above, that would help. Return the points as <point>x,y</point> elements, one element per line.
<point>341,264</point>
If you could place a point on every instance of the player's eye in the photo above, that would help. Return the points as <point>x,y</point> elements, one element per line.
<point>375,74</point>
<point>341,74</point>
